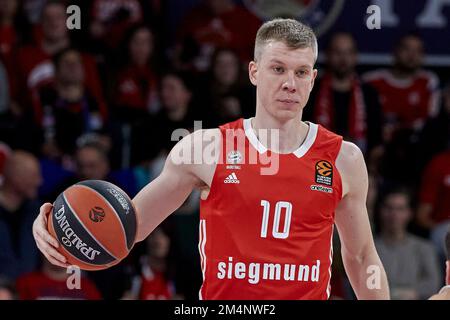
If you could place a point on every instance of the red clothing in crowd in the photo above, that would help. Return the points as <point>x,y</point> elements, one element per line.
<point>38,286</point>
<point>35,70</point>
<point>411,101</point>
<point>235,29</point>
<point>105,12</point>
<point>137,88</point>
<point>154,285</point>
<point>435,188</point>
<point>8,42</point>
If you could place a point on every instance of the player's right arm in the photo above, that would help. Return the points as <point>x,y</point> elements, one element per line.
<point>154,203</point>
<point>157,200</point>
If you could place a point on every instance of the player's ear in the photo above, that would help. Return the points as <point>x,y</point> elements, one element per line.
<point>252,72</point>
<point>313,78</point>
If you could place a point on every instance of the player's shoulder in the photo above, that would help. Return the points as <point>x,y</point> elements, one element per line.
<point>350,159</point>
<point>192,148</point>
<point>350,153</point>
<point>198,136</point>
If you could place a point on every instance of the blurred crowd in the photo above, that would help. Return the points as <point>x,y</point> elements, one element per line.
<point>102,102</point>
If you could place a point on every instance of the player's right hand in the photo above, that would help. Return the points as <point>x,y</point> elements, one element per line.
<point>44,241</point>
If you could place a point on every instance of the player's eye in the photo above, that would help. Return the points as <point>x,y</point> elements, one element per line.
<point>278,69</point>
<point>302,73</point>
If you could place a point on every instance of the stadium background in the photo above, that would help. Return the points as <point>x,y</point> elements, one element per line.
<point>101,103</point>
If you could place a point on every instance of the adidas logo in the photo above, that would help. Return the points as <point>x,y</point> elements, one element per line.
<point>232,178</point>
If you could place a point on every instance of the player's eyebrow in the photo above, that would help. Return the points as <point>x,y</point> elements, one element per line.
<point>277,61</point>
<point>282,63</point>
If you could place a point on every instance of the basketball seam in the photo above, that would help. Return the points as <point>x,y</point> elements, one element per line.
<point>115,212</point>
<point>85,228</point>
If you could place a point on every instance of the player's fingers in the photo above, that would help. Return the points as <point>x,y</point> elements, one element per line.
<point>56,262</point>
<point>45,210</point>
<point>49,250</point>
<point>50,258</point>
<point>40,231</point>
<point>47,256</point>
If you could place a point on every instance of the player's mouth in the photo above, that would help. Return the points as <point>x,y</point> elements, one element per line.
<point>288,102</point>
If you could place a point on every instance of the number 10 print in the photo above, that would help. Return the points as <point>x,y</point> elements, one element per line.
<point>287,206</point>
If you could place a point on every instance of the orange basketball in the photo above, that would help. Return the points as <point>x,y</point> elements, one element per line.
<point>95,224</point>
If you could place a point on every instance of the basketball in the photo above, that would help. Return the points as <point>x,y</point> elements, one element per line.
<point>95,224</point>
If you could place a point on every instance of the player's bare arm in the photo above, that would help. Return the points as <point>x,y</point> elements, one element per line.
<point>358,249</point>
<point>153,203</point>
<point>169,190</point>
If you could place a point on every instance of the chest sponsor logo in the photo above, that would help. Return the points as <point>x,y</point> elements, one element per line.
<point>321,188</point>
<point>324,173</point>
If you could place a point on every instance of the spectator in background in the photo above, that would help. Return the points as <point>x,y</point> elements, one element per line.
<point>92,163</point>
<point>8,35</point>
<point>433,213</point>
<point>33,10</point>
<point>7,289</point>
<point>435,136</point>
<point>153,282</point>
<point>434,198</point>
<point>230,96</point>
<point>12,25</point>
<point>444,293</point>
<point>110,19</point>
<point>18,207</point>
<point>184,224</point>
<point>67,109</point>
<point>136,92</point>
<point>341,102</point>
<point>4,90</point>
<point>410,98</point>
<point>408,93</point>
<point>153,135</point>
<point>214,24</point>
<point>50,282</point>
<point>34,67</point>
<point>5,152</point>
<point>411,263</point>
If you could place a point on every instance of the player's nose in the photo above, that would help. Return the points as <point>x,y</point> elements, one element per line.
<point>289,82</point>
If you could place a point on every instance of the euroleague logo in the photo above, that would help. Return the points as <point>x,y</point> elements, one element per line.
<point>97,214</point>
<point>318,14</point>
<point>324,172</point>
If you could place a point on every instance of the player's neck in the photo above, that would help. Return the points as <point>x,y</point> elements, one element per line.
<point>291,133</point>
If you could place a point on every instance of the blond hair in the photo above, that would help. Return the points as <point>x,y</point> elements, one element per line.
<point>289,31</point>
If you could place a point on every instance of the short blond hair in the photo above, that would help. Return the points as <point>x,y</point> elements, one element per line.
<point>291,32</point>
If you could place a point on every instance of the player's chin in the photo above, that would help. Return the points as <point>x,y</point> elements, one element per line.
<point>287,113</point>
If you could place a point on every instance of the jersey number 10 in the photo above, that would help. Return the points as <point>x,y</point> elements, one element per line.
<point>280,205</point>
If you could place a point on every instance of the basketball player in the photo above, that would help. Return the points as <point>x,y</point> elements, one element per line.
<point>268,236</point>
<point>444,293</point>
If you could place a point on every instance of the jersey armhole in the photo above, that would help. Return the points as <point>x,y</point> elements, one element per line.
<point>219,160</point>
<point>340,143</point>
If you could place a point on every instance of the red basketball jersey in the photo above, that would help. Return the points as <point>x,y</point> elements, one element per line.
<point>270,236</point>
